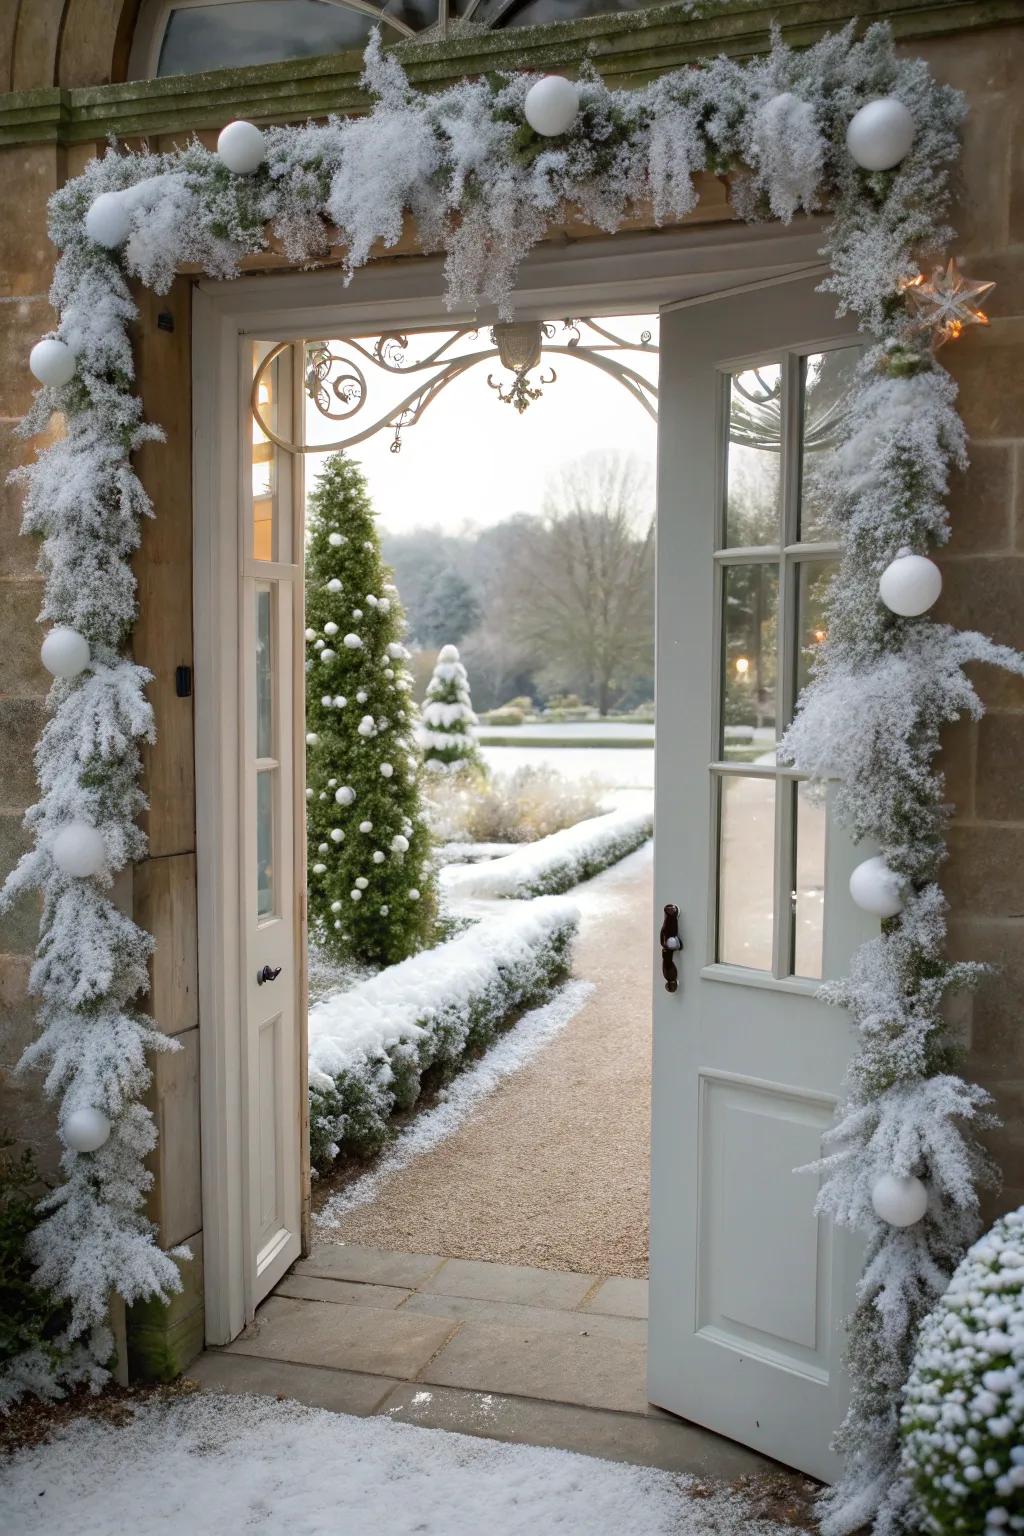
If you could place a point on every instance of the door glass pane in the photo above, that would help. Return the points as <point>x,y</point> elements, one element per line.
<point>754,457</point>
<point>746,872</point>
<point>827,380</point>
<point>750,604</point>
<point>265,842</point>
<point>264,675</point>
<point>815,577</point>
<point>809,885</point>
<point>264,457</point>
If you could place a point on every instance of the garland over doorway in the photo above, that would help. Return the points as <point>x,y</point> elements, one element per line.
<point>484,168</point>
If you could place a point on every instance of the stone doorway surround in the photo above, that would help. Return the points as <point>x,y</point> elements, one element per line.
<point>536,1356</point>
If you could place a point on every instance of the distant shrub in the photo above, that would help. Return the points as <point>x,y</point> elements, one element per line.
<point>506,715</point>
<point>512,808</point>
<point>522,702</point>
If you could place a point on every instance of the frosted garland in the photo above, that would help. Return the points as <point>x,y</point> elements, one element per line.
<point>483,187</point>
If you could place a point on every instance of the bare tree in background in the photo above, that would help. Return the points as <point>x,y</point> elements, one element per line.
<point>582,580</point>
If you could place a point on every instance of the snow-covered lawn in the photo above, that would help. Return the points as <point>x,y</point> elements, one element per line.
<point>633,769</point>
<point>216,1466</point>
<point>586,730</point>
<point>555,863</point>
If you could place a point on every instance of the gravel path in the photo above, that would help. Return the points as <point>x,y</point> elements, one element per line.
<point>552,1169</point>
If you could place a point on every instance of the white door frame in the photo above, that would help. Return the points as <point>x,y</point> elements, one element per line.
<point>621,274</point>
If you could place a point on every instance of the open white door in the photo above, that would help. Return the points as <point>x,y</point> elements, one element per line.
<point>749,1290</point>
<point>271,708</point>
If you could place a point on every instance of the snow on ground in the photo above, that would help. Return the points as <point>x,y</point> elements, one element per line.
<point>555,863</point>
<point>210,1465</point>
<point>510,1052</point>
<point>631,768</point>
<point>587,730</point>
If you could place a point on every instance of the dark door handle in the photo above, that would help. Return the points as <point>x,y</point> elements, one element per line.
<point>268,973</point>
<point>671,944</point>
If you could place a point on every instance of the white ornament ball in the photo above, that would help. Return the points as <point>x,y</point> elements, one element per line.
<point>337,922</point>
<point>319,869</point>
<point>334,585</point>
<point>319,645</point>
<point>356,895</point>
<point>310,634</point>
<point>384,911</point>
<point>65,652</point>
<point>327,654</point>
<point>386,770</point>
<point>331,783</point>
<point>361,696</point>
<point>366,726</point>
<point>899,1201</point>
<point>357,613</point>
<point>309,794</point>
<point>340,701</point>
<point>345,795</point>
<point>242,147</point>
<point>880,134</point>
<point>877,888</point>
<point>366,826</point>
<point>52,362</point>
<point>336,835</point>
<point>335,540</point>
<point>353,642</point>
<point>335,906</point>
<point>910,584</point>
<point>371,599</point>
<point>378,857</point>
<point>362,883</point>
<point>384,605</point>
<point>311,738</point>
<point>108,221</point>
<point>414,894</point>
<point>551,105</point>
<point>322,848</point>
<point>330,628</point>
<point>78,849</point>
<point>399,844</point>
<point>85,1130</point>
<point>326,700</point>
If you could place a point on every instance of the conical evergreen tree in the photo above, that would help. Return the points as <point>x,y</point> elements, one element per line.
<point>371,889</point>
<point>446,729</point>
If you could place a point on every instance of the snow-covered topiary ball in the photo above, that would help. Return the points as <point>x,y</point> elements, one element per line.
<point>551,105</point>
<point>353,642</point>
<point>345,795</point>
<point>242,147</point>
<point>108,220</point>
<point>879,136</point>
<point>79,850</point>
<point>52,362</point>
<point>85,1130</point>
<point>65,652</point>
<point>899,1200</point>
<point>962,1419</point>
<point>877,888</point>
<point>910,584</point>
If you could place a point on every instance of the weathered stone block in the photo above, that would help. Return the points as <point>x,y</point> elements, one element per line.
<point>982,878</point>
<point>956,760</point>
<point>986,365</point>
<point>1000,783</point>
<point>24,673</point>
<point>29,174</point>
<point>19,927</point>
<point>24,322</point>
<point>980,502</point>
<point>164,1338</point>
<point>21,721</point>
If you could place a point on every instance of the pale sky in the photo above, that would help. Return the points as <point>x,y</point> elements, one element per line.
<point>472,459</point>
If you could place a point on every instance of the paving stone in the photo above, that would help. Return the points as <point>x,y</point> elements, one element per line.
<point>370,1266</point>
<point>594,1372</point>
<point>549,1319</point>
<point>349,1338</point>
<point>672,1444</point>
<point>619,1297</point>
<point>340,1391</point>
<point>508,1282</point>
<point>346,1292</point>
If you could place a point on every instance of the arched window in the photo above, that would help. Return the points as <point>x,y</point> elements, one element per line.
<point>175,37</point>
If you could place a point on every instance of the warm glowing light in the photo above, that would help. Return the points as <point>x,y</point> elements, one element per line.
<point>819,635</point>
<point>263,395</point>
<point>742,666</point>
<point>947,302</point>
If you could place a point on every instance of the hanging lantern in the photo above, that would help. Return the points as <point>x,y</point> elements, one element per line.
<point>551,105</point>
<point>52,362</point>
<point>64,652</point>
<point>877,888</point>
<point>79,850</point>
<point>242,147</point>
<point>899,1201</point>
<point>910,584</point>
<point>879,136</point>
<point>85,1130</point>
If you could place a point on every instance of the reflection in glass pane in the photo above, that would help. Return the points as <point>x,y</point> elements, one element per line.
<point>826,382</point>
<point>264,460</point>
<point>264,659</point>
<point>265,842</point>
<point>809,887</point>
<point>750,607</point>
<point>200,37</point>
<point>815,577</point>
<point>746,872</point>
<point>754,462</point>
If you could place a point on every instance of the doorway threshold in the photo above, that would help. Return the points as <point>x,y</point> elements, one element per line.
<point>506,1352</point>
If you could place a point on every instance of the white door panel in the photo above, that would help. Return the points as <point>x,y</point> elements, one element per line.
<point>749,1289</point>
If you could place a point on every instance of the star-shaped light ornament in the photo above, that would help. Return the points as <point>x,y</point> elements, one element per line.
<point>946,302</point>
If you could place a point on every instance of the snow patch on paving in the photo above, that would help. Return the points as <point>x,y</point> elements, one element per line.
<point>207,1465</point>
<point>509,1054</point>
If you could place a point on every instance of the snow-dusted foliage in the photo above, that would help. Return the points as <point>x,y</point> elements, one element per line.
<point>447,719</point>
<point>369,1047</point>
<point>555,863</point>
<point>483,188</point>
<point>962,1420</point>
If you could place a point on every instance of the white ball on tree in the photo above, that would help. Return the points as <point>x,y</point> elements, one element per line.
<point>356,894</point>
<point>366,826</point>
<point>52,362</point>
<point>312,738</point>
<point>345,795</point>
<point>108,220</point>
<point>551,105</point>
<point>899,1201</point>
<point>310,634</point>
<point>327,654</point>
<point>335,906</point>
<point>340,701</point>
<point>334,585</point>
<point>330,628</point>
<point>319,869</point>
<point>242,147</point>
<point>79,850</point>
<point>378,857</point>
<point>877,888</point>
<point>386,770</point>
<point>65,652</point>
<point>414,894</point>
<point>335,540</point>
<point>336,835</point>
<point>880,134</point>
<point>85,1130</point>
<point>353,642</point>
<point>399,844</point>
<point>362,883</point>
<point>910,584</point>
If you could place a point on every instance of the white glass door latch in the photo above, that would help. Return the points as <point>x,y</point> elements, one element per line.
<point>671,944</point>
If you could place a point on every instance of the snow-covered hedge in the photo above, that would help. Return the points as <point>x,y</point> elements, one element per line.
<point>963,1412</point>
<point>369,1047</point>
<point>555,863</point>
